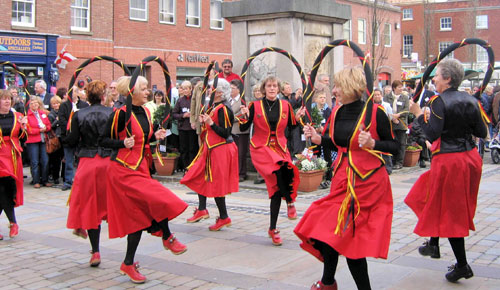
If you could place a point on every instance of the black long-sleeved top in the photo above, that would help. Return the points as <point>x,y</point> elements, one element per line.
<point>220,130</point>
<point>345,122</point>
<point>182,106</point>
<point>141,116</point>
<point>6,124</point>
<point>64,113</point>
<point>272,115</point>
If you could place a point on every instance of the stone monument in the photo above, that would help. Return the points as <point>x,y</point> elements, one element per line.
<point>300,27</point>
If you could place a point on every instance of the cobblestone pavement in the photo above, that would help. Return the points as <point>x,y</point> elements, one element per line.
<point>47,255</point>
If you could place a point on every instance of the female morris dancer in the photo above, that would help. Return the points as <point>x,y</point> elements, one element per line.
<point>354,220</point>
<point>213,172</point>
<point>445,197</point>
<point>87,203</point>
<point>11,164</point>
<point>268,148</point>
<point>136,201</point>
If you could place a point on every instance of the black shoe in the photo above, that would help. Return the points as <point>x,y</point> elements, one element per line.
<point>457,273</point>
<point>421,163</point>
<point>66,187</point>
<point>242,178</point>
<point>258,181</point>
<point>397,167</point>
<point>428,250</point>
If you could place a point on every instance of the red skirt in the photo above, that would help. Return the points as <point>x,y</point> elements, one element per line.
<point>87,203</point>
<point>9,158</point>
<point>372,230</point>
<point>267,160</point>
<point>135,200</point>
<point>221,163</point>
<point>444,198</point>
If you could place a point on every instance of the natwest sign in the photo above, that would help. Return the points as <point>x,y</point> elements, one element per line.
<point>194,57</point>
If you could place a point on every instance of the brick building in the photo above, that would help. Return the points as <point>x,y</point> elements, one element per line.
<point>428,27</point>
<point>187,34</point>
<point>387,42</point>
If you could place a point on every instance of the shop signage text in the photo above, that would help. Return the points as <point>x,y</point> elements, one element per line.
<point>193,58</point>
<point>28,45</point>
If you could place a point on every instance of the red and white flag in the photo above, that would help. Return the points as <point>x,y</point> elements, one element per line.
<point>63,58</point>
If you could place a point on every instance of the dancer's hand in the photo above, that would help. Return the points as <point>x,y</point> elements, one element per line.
<point>310,132</point>
<point>300,112</point>
<point>415,109</point>
<point>205,118</point>
<point>244,110</point>
<point>129,142</point>
<point>365,140</point>
<point>161,134</point>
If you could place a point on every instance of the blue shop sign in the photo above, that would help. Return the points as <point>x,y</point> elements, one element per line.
<point>22,45</point>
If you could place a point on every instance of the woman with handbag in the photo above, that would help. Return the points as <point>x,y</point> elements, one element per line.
<point>11,164</point>
<point>38,126</point>
<point>54,148</point>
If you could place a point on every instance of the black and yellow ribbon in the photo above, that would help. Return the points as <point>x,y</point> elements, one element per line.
<point>25,82</point>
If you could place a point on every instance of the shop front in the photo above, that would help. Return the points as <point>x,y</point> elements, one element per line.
<point>33,54</point>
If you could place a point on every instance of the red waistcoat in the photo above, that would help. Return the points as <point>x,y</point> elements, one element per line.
<point>262,130</point>
<point>211,138</point>
<point>132,157</point>
<point>363,161</point>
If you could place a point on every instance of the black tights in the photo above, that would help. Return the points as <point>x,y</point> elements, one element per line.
<point>134,239</point>
<point>7,193</point>
<point>458,247</point>
<point>283,177</point>
<point>357,267</point>
<point>221,205</point>
<point>94,235</point>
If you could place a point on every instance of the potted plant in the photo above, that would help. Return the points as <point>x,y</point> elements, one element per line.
<point>168,156</point>
<point>311,170</point>
<point>412,154</point>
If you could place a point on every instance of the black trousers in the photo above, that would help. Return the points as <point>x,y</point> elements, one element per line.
<point>401,138</point>
<point>242,142</point>
<point>56,168</point>
<point>188,146</point>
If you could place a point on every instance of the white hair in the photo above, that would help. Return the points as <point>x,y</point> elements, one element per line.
<point>42,84</point>
<point>225,88</point>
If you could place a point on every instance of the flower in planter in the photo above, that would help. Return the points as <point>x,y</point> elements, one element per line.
<point>414,147</point>
<point>307,161</point>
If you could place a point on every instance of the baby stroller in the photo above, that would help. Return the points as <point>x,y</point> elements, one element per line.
<point>495,148</point>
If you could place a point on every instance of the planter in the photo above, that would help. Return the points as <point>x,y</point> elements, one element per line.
<point>169,164</point>
<point>310,180</point>
<point>411,158</point>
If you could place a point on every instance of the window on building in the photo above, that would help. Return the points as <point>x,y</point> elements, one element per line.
<point>138,10</point>
<point>408,14</point>
<point>23,13</point>
<point>346,30</point>
<point>445,23</point>
<point>407,45</point>
<point>193,12</point>
<point>361,31</point>
<point>443,46</point>
<point>80,15</point>
<point>167,11</point>
<point>387,35</point>
<point>481,54</point>
<point>216,20</point>
<point>482,22</point>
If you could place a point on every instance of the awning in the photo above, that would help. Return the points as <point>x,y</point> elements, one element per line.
<point>469,73</point>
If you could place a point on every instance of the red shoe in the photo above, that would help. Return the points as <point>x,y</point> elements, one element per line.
<point>95,260</point>
<point>14,230</point>
<point>133,273</point>
<point>80,233</point>
<point>220,223</point>
<point>174,245</point>
<point>292,212</point>
<point>198,215</point>
<point>319,285</point>
<point>275,236</point>
<point>158,233</point>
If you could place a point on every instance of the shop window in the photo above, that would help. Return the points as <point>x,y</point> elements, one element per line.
<point>482,22</point>
<point>80,15</point>
<point>167,11</point>
<point>216,20</point>
<point>443,46</point>
<point>361,31</point>
<point>445,24</point>
<point>407,45</point>
<point>481,54</point>
<point>408,14</point>
<point>346,30</point>
<point>387,35</point>
<point>23,13</point>
<point>193,13</point>
<point>138,10</point>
